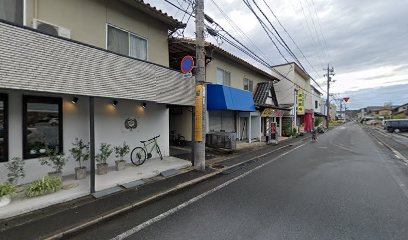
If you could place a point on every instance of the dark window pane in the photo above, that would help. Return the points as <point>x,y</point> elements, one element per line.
<point>43,126</point>
<point>3,129</point>
<point>12,10</point>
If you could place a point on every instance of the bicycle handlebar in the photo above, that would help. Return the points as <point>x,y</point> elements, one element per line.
<point>153,138</point>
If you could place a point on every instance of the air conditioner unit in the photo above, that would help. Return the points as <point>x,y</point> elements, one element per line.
<point>51,29</point>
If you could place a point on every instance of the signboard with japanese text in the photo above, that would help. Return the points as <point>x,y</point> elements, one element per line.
<point>267,112</point>
<point>199,113</point>
<point>301,103</point>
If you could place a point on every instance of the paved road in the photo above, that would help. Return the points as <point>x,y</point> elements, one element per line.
<point>345,186</point>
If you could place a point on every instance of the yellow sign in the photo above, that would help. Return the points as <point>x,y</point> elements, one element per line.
<point>199,113</point>
<point>267,112</point>
<point>301,103</point>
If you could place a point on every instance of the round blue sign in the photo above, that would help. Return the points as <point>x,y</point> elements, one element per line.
<point>187,64</point>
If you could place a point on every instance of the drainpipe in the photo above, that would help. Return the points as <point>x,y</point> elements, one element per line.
<point>92,143</point>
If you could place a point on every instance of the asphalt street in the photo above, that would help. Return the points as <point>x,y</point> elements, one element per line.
<point>345,186</point>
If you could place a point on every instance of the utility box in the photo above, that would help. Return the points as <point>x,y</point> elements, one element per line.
<point>225,140</point>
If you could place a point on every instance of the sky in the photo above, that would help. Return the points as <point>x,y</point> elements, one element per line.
<point>364,40</point>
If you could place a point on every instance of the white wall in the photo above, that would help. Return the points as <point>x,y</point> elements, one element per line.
<point>109,128</point>
<point>151,121</point>
<point>182,123</point>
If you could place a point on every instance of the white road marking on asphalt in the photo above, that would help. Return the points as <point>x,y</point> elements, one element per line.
<point>159,217</point>
<point>397,156</point>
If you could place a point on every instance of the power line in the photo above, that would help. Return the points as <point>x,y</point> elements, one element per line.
<point>283,43</point>
<point>240,46</point>
<point>280,37</point>
<point>319,55</point>
<point>239,31</point>
<point>265,28</point>
<point>318,34</point>
<point>270,9</point>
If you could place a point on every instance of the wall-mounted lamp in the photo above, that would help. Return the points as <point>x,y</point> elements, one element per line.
<point>115,103</point>
<point>75,100</point>
<point>144,105</point>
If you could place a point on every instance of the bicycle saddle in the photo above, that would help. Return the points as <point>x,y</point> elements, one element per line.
<point>143,141</point>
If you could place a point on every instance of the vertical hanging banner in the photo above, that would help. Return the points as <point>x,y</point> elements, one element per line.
<point>199,113</point>
<point>301,103</point>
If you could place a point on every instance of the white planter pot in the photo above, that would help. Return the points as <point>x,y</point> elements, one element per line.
<point>5,200</point>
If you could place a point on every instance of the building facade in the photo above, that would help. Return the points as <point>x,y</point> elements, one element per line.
<point>294,89</point>
<point>83,69</point>
<point>231,83</point>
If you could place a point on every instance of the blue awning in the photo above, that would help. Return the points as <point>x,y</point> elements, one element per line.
<point>220,97</point>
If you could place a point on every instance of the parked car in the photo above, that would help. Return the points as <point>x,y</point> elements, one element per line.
<point>397,125</point>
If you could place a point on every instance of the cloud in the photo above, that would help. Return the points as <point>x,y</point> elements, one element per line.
<point>364,40</point>
<point>396,94</point>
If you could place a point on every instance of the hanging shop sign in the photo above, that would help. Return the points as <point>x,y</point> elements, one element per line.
<point>130,123</point>
<point>301,103</point>
<point>267,112</point>
<point>199,113</point>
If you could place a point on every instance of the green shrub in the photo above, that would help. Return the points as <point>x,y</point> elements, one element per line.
<point>54,159</point>
<point>121,151</point>
<point>7,189</point>
<point>44,186</point>
<point>105,151</point>
<point>286,130</point>
<point>16,170</point>
<point>80,151</point>
<point>318,121</point>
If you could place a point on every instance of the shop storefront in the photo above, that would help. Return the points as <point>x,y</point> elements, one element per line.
<point>230,110</point>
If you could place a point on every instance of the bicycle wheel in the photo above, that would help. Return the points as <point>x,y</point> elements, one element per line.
<point>159,152</point>
<point>138,156</point>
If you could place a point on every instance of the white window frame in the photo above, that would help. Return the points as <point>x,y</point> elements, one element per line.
<point>249,81</point>
<point>223,74</point>
<point>129,33</point>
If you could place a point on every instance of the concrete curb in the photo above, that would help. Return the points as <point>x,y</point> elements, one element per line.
<point>390,148</point>
<point>177,188</point>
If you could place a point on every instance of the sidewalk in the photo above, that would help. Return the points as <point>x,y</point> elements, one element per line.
<point>55,221</point>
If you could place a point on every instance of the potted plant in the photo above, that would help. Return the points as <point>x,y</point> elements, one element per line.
<point>120,152</point>
<point>294,133</point>
<point>80,152</point>
<point>16,170</point>
<point>54,160</point>
<point>105,151</point>
<point>6,190</point>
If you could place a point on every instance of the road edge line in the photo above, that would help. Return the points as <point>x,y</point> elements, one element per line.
<point>157,196</point>
<point>391,149</point>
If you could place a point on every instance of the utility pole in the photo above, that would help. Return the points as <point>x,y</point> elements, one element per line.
<point>330,72</point>
<point>201,105</point>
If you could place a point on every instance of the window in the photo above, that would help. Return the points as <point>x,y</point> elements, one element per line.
<point>126,43</point>
<point>42,125</point>
<point>223,77</point>
<point>248,85</point>
<point>3,128</point>
<point>12,11</point>
<point>316,104</point>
